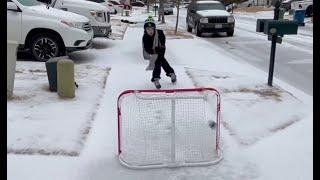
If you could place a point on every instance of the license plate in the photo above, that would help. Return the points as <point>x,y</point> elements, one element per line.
<point>218,26</point>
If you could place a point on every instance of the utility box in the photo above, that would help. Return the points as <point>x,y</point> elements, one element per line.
<point>11,66</point>
<point>281,27</point>
<point>65,78</point>
<point>51,67</point>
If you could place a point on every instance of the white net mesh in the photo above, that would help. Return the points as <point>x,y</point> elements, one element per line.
<point>168,129</point>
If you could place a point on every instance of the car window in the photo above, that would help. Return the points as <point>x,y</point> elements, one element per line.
<point>29,2</point>
<point>210,6</point>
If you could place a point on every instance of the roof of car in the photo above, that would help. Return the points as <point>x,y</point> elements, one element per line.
<point>208,2</point>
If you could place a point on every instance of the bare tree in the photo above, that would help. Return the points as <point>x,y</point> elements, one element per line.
<point>159,12</point>
<point>177,21</point>
<point>162,11</point>
<point>155,9</point>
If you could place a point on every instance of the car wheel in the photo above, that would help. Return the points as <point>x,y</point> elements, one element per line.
<point>45,47</point>
<point>309,11</point>
<point>198,32</point>
<point>230,33</point>
<point>115,11</point>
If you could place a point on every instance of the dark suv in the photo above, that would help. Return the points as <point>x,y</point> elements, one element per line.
<point>209,16</point>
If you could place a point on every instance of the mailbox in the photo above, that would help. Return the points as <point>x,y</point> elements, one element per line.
<point>276,28</point>
<point>260,24</point>
<point>280,27</point>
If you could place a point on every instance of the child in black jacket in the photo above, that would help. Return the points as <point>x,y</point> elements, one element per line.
<point>154,44</point>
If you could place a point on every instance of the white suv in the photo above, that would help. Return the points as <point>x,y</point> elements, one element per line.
<point>98,14</point>
<point>46,32</point>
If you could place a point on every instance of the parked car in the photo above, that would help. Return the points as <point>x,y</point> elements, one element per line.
<point>98,14</point>
<point>138,4</point>
<point>117,5</point>
<point>46,32</point>
<point>186,2</point>
<point>231,6</point>
<point>168,8</point>
<point>286,4</point>
<point>107,4</point>
<point>306,5</point>
<point>209,16</point>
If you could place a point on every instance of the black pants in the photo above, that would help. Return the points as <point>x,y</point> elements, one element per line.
<point>161,62</point>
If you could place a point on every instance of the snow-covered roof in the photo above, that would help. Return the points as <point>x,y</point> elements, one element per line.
<point>208,2</point>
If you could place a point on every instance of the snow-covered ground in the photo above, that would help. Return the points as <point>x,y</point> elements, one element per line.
<point>266,132</point>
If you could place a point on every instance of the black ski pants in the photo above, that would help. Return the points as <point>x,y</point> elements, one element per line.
<point>161,62</point>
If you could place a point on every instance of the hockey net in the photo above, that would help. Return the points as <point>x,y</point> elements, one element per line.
<point>169,128</point>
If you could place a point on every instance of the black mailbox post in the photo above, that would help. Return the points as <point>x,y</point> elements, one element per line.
<point>275,29</point>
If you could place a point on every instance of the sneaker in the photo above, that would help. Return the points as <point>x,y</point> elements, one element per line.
<point>173,77</point>
<point>157,84</point>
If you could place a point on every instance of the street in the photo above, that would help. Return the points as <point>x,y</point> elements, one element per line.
<point>293,60</point>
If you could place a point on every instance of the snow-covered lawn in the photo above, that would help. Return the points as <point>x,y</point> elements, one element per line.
<point>40,122</point>
<point>251,109</point>
<point>266,132</point>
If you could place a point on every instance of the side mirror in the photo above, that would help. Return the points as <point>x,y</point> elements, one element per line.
<point>12,6</point>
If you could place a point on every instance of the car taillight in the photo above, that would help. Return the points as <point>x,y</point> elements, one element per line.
<point>110,5</point>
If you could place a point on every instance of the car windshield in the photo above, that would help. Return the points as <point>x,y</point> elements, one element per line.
<point>29,2</point>
<point>211,6</point>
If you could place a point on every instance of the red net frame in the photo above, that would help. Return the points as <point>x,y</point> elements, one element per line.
<point>170,91</point>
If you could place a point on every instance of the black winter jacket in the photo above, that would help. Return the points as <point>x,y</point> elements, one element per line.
<point>148,42</point>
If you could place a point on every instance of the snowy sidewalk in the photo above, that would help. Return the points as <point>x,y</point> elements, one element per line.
<point>99,158</point>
